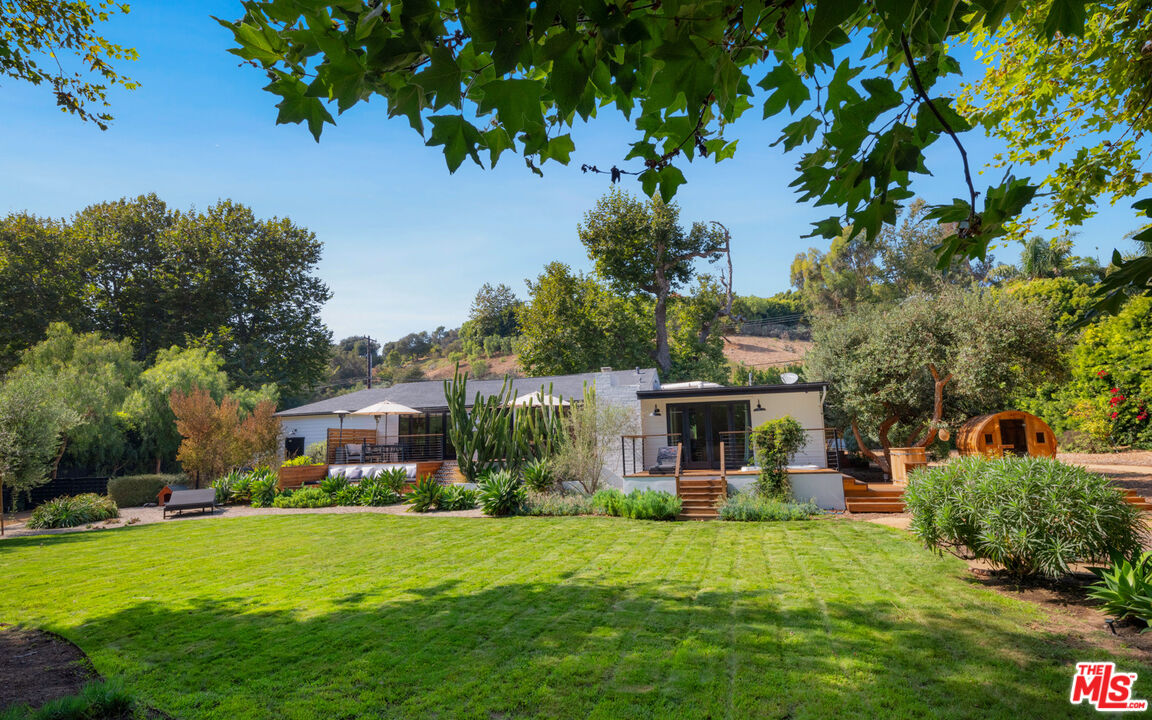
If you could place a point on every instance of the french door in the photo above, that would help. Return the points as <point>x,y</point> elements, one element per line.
<point>700,427</point>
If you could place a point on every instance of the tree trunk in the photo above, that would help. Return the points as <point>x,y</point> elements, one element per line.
<point>663,355</point>
<point>880,459</point>
<point>937,407</point>
<point>724,310</point>
<point>59,455</point>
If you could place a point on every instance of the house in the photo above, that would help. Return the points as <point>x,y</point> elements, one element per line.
<point>709,423</point>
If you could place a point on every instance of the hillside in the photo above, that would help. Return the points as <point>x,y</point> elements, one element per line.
<point>757,352</point>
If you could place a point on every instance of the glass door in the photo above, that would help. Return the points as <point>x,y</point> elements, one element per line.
<point>703,426</point>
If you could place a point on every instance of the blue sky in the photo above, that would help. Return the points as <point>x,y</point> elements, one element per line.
<point>406,243</point>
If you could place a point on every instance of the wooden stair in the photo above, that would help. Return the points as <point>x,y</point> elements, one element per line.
<point>885,498</point>
<point>699,496</point>
<point>1133,498</point>
<point>875,498</point>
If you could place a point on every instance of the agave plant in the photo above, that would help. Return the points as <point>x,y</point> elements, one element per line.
<point>1125,588</point>
<point>501,493</point>
<point>426,494</point>
<point>538,475</point>
<point>224,485</point>
<point>458,497</point>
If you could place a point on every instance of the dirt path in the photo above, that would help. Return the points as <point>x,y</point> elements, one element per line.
<point>146,515</point>
<point>1131,470</point>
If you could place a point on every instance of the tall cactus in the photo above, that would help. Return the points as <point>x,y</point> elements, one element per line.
<point>537,431</point>
<point>483,438</point>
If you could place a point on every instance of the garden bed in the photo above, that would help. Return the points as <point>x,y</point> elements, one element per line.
<point>39,666</point>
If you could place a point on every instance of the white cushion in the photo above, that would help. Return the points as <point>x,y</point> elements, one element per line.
<point>352,473</point>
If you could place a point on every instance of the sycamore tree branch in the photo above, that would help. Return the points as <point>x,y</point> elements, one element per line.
<point>919,86</point>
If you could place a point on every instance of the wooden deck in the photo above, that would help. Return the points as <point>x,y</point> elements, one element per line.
<point>717,473</point>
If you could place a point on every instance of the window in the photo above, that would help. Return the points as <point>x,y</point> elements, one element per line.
<point>293,447</point>
<point>1040,438</point>
<point>988,438</point>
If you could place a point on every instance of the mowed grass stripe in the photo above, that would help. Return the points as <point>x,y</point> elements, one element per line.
<point>393,617</point>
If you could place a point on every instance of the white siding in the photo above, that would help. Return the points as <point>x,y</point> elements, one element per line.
<point>806,407</point>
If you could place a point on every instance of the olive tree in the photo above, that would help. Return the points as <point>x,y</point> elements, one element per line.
<point>901,373</point>
<point>34,418</point>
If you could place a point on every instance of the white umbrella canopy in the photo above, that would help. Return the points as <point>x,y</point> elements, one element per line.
<point>539,399</point>
<point>386,407</point>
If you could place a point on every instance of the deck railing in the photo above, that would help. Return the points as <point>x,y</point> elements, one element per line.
<point>821,448</point>
<point>638,452</point>
<point>405,448</point>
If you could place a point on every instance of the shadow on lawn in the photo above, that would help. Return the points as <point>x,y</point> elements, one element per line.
<point>583,650</point>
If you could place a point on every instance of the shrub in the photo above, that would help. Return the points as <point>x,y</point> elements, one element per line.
<point>774,443</point>
<point>608,501</point>
<point>376,490</point>
<point>309,497</point>
<point>1030,516</point>
<point>64,512</point>
<point>458,497</point>
<point>638,504</point>
<point>538,475</point>
<point>501,493</point>
<point>1125,588</point>
<point>318,451</point>
<point>135,490</point>
<point>752,507</point>
<point>651,505</point>
<point>556,504</point>
<point>226,486</point>
<point>240,487</point>
<point>334,484</point>
<point>301,461</point>
<point>393,480</point>
<point>263,483</point>
<point>349,496</point>
<point>425,495</point>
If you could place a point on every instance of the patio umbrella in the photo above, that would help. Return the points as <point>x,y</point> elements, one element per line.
<point>386,407</point>
<point>539,399</point>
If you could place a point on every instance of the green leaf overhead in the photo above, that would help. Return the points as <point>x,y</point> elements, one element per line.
<point>862,82</point>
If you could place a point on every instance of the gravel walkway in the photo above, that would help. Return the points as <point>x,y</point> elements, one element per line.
<point>15,524</point>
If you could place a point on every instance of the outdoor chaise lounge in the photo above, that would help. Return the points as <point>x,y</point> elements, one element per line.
<point>665,461</point>
<point>191,500</point>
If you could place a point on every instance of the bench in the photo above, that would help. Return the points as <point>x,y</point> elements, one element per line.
<point>191,500</point>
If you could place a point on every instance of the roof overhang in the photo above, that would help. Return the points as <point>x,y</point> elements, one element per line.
<point>739,390</point>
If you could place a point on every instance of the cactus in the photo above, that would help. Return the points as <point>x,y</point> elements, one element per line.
<point>537,431</point>
<point>483,438</point>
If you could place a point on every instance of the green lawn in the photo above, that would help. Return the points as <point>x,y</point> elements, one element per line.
<point>342,616</point>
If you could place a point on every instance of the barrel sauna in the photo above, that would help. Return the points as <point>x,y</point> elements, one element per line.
<point>1012,432</point>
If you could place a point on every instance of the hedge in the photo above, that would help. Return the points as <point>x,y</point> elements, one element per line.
<point>135,490</point>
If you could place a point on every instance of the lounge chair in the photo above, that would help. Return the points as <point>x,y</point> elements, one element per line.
<point>354,452</point>
<point>191,500</point>
<point>665,461</point>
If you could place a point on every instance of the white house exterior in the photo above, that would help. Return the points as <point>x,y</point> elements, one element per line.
<point>710,423</point>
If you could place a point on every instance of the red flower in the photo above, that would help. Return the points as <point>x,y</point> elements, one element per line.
<point>1115,390</point>
<point>1102,373</point>
<point>1142,416</point>
<point>1114,415</point>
